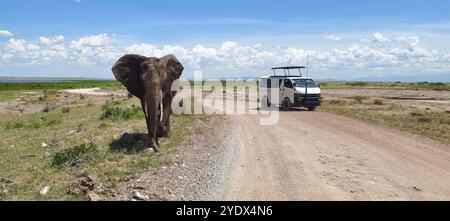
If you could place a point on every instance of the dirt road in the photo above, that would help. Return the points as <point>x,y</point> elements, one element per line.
<point>319,156</point>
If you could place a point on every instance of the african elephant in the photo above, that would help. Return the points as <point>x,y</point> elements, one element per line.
<point>151,79</point>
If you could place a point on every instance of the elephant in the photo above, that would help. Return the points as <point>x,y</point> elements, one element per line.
<point>150,79</point>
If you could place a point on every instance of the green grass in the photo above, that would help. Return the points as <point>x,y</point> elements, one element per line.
<point>11,91</point>
<point>8,95</point>
<point>79,145</point>
<point>75,155</point>
<point>59,85</point>
<point>387,85</point>
<point>112,111</point>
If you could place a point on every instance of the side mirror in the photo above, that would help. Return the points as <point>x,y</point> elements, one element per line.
<point>294,84</point>
<point>318,85</point>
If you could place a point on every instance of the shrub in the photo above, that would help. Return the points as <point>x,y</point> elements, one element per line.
<point>360,84</point>
<point>130,95</point>
<point>75,155</point>
<point>117,113</point>
<point>42,122</point>
<point>337,102</point>
<point>425,120</point>
<point>65,110</point>
<point>46,109</point>
<point>416,114</point>
<point>378,102</point>
<point>82,96</point>
<point>12,125</point>
<point>360,99</point>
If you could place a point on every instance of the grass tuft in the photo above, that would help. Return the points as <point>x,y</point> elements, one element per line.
<point>74,156</point>
<point>360,99</point>
<point>65,110</point>
<point>378,102</point>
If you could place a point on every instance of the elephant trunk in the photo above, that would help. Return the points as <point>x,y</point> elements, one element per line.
<point>152,103</point>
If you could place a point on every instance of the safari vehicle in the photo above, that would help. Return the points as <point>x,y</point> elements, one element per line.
<point>294,89</point>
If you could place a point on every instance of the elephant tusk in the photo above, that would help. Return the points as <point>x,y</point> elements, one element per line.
<point>162,112</point>
<point>145,108</point>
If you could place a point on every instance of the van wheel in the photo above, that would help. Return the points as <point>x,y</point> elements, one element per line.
<point>265,103</point>
<point>286,105</point>
<point>311,108</point>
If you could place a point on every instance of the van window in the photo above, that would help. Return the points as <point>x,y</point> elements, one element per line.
<point>269,83</point>
<point>288,83</point>
<point>281,83</point>
<point>302,83</point>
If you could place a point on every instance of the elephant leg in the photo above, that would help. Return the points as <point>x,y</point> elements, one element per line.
<point>169,132</point>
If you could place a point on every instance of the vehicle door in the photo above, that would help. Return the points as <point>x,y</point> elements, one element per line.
<point>288,90</point>
<point>281,85</point>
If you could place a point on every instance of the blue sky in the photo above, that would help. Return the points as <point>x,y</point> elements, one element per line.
<point>344,39</point>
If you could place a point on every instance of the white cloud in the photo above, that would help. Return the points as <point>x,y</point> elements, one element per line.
<point>332,38</point>
<point>376,38</point>
<point>399,54</point>
<point>50,41</point>
<point>92,41</point>
<point>5,33</point>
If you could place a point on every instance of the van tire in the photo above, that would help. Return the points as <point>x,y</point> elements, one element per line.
<point>265,103</point>
<point>313,108</point>
<point>286,105</point>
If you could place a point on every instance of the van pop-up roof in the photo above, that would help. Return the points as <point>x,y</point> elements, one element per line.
<point>287,71</point>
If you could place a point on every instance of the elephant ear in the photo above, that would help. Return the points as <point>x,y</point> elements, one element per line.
<point>173,66</point>
<point>127,71</point>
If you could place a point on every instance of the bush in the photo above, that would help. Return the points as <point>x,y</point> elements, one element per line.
<point>65,110</point>
<point>359,99</point>
<point>359,84</point>
<point>416,114</point>
<point>76,155</point>
<point>82,96</point>
<point>337,102</point>
<point>378,102</point>
<point>117,113</point>
<point>12,125</point>
<point>425,120</point>
<point>34,123</point>
<point>46,109</point>
<point>42,122</point>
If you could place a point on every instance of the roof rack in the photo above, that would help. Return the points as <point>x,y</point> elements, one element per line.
<point>287,70</point>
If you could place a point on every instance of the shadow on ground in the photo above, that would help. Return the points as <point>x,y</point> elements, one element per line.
<point>130,143</point>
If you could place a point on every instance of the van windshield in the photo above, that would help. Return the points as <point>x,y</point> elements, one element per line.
<point>302,83</point>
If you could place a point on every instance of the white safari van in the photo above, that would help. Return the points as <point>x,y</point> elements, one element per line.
<point>294,90</point>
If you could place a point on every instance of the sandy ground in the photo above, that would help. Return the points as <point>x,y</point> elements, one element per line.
<point>96,92</point>
<point>26,103</point>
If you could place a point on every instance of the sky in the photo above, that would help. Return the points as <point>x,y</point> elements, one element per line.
<point>347,40</point>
